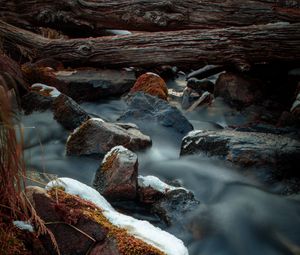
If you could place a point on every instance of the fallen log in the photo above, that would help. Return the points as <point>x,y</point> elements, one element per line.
<point>91,16</point>
<point>238,46</point>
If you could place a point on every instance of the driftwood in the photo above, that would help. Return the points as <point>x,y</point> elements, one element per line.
<point>83,17</point>
<point>239,46</point>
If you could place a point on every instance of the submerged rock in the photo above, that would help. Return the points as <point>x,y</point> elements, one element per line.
<point>238,90</point>
<point>246,148</point>
<point>144,107</point>
<point>96,136</point>
<point>152,84</point>
<point>116,179</point>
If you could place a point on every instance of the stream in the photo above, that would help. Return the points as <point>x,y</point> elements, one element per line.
<point>238,214</point>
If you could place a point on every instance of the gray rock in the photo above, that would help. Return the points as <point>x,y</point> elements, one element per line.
<point>68,113</point>
<point>93,84</point>
<point>144,107</point>
<point>246,148</point>
<point>96,136</point>
<point>116,179</point>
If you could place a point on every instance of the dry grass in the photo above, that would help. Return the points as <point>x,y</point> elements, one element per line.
<point>14,204</point>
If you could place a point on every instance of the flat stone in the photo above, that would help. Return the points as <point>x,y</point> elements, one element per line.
<point>93,84</point>
<point>246,148</point>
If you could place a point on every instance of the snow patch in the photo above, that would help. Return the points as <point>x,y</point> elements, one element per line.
<point>193,133</point>
<point>156,184</point>
<point>143,230</point>
<point>23,225</point>
<point>116,149</point>
<point>97,120</point>
<point>153,74</point>
<point>53,91</point>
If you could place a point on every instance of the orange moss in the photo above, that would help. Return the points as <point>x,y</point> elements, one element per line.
<point>11,242</point>
<point>126,243</point>
<point>151,84</point>
<point>109,161</point>
<point>42,91</point>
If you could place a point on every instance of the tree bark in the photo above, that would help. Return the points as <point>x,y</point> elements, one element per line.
<point>83,17</point>
<point>239,46</point>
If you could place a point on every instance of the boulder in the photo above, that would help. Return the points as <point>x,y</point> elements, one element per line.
<point>81,227</point>
<point>116,179</point>
<point>63,217</point>
<point>152,84</point>
<point>238,90</point>
<point>144,107</point>
<point>247,149</point>
<point>68,113</point>
<point>93,84</point>
<point>127,234</point>
<point>96,136</point>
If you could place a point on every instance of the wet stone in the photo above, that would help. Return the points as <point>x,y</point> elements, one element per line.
<point>116,179</point>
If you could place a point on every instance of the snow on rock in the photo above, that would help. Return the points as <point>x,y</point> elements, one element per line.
<point>116,149</point>
<point>143,230</point>
<point>156,184</point>
<point>52,90</point>
<point>23,225</point>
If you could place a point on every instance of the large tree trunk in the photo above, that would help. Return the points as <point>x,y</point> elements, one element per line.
<point>239,46</point>
<point>82,17</point>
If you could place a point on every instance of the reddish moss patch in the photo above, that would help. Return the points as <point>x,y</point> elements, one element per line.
<point>42,91</point>
<point>109,161</point>
<point>12,241</point>
<point>151,84</point>
<point>126,243</point>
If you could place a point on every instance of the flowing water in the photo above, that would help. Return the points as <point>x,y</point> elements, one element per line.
<point>237,214</point>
